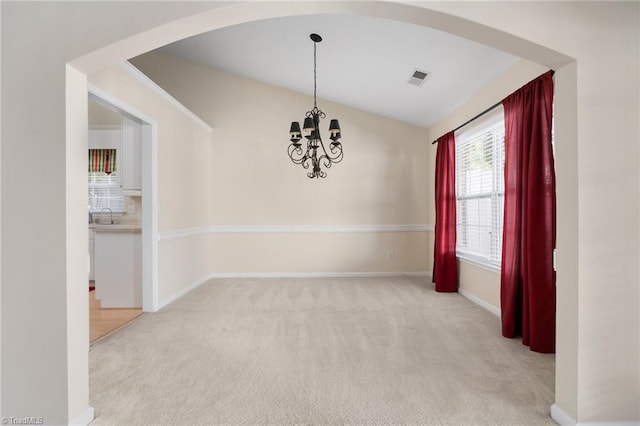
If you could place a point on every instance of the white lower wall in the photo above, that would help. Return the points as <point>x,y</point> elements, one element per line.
<point>320,252</point>
<point>181,264</point>
<point>187,258</point>
<point>480,282</point>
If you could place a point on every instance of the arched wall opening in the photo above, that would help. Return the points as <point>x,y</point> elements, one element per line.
<point>421,16</point>
<point>69,320</point>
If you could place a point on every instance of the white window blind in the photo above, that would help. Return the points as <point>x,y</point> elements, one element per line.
<point>104,192</point>
<point>480,190</point>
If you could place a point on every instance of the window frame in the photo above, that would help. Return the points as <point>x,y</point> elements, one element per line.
<point>493,260</point>
<point>117,193</point>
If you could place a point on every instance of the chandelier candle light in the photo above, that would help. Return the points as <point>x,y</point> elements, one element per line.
<point>315,153</point>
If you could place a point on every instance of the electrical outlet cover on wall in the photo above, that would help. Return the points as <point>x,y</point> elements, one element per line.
<point>131,209</point>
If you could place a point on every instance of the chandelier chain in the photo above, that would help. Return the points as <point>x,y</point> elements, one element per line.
<point>314,74</point>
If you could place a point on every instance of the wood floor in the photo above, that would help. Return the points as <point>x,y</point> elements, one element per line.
<point>103,322</point>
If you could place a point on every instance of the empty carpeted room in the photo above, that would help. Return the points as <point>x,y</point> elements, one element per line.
<point>345,212</point>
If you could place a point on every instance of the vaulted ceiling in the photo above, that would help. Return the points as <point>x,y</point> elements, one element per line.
<point>362,62</point>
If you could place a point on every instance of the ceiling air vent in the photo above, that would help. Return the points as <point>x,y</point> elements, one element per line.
<point>418,77</point>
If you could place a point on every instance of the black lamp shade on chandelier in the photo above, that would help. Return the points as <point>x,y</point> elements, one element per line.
<point>314,155</point>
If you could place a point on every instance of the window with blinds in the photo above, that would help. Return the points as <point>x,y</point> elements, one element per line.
<point>480,190</point>
<point>104,192</point>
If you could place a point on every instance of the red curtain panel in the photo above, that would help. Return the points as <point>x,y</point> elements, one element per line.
<point>445,265</point>
<point>528,281</point>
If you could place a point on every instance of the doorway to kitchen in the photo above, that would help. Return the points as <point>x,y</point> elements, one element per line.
<point>122,213</point>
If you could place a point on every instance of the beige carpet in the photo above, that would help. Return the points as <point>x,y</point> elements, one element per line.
<point>319,351</point>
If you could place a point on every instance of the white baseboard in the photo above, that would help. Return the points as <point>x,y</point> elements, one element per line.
<point>563,419</point>
<point>184,291</point>
<point>630,423</point>
<point>84,419</point>
<point>315,274</point>
<point>418,274</point>
<point>213,275</point>
<point>488,306</point>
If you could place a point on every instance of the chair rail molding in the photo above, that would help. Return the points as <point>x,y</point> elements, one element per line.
<point>288,229</point>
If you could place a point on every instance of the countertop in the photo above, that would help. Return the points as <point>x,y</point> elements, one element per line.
<point>118,227</point>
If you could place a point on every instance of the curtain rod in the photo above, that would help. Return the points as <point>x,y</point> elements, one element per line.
<point>480,115</point>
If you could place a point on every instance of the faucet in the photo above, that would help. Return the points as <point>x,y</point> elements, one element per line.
<point>110,213</point>
<point>90,217</point>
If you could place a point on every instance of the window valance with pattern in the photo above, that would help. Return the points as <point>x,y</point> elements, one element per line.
<point>102,160</point>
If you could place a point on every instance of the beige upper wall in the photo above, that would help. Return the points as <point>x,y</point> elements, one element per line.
<point>382,179</point>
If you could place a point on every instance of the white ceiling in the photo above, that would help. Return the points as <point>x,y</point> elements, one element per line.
<point>362,62</point>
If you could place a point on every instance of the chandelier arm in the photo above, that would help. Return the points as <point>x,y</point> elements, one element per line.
<point>296,154</point>
<point>316,112</point>
<point>336,150</point>
<point>334,155</point>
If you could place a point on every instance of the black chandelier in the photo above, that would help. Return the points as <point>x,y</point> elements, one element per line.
<point>315,153</point>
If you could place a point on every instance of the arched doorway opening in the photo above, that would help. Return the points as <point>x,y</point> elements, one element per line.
<point>219,18</point>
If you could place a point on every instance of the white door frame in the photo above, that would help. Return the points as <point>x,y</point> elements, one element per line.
<point>149,169</point>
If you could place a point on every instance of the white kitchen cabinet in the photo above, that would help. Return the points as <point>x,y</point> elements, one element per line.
<point>118,266</point>
<point>104,138</point>
<point>130,157</point>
